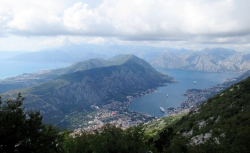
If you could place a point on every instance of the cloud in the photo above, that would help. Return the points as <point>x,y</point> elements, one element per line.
<point>193,21</point>
<point>35,19</point>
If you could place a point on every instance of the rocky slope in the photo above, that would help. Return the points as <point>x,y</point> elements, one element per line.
<point>208,60</point>
<point>220,124</point>
<point>97,86</point>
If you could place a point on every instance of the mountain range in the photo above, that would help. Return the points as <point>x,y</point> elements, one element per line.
<point>207,60</point>
<point>95,82</point>
<point>31,79</point>
<point>76,53</point>
<point>218,124</point>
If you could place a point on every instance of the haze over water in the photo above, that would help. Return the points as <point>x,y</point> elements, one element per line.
<point>172,95</point>
<point>147,104</point>
<point>10,68</point>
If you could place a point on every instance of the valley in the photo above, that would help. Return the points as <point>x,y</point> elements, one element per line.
<point>91,96</point>
<point>83,87</point>
<point>91,93</point>
<point>170,97</point>
<point>134,76</point>
<point>115,113</point>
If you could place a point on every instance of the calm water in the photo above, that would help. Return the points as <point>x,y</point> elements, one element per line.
<point>150,103</point>
<point>9,68</point>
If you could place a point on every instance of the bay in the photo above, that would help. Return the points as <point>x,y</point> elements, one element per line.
<point>10,68</point>
<point>173,94</point>
<point>146,104</point>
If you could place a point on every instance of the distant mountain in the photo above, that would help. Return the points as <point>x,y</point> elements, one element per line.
<point>31,79</point>
<point>75,53</point>
<point>9,54</point>
<point>219,53</point>
<point>208,60</point>
<point>98,83</point>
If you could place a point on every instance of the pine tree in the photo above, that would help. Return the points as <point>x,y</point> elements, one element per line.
<point>23,131</point>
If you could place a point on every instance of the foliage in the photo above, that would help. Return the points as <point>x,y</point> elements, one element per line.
<point>224,118</point>
<point>22,131</point>
<point>163,142</point>
<point>153,128</point>
<point>78,143</point>
<point>108,139</point>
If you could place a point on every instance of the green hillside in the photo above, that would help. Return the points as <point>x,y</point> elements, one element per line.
<point>31,79</point>
<point>221,124</point>
<point>85,90</point>
<point>155,127</point>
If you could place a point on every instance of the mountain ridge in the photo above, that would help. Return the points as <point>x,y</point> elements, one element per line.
<point>219,124</point>
<point>207,60</point>
<point>31,79</point>
<point>100,86</point>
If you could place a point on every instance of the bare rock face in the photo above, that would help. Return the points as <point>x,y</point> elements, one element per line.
<point>208,60</point>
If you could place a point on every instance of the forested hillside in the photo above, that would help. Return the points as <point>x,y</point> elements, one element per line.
<point>221,124</point>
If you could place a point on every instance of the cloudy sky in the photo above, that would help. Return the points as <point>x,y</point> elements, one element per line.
<point>194,24</point>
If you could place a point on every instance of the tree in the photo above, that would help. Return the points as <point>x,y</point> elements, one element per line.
<point>77,143</point>
<point>108,139</point>
<point>23,131</point>
<point>137,140</point>
<point>165,137</point>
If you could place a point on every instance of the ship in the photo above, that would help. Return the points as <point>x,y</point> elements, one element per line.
<point>162,109</point>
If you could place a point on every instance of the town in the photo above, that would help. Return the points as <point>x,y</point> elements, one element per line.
<point>114,112</point>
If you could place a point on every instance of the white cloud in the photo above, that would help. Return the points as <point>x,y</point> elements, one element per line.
<point>153,21</point>
<point>54,42</point>
<point>79,19</point>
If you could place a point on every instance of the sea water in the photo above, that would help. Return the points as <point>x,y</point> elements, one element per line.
<point>166,96</point>
<point>173,94</point>
<point>10,68</point>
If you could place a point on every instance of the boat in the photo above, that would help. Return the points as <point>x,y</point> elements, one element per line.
<point>194,82</point>
<point>162,109</point>
<point>167,95</point>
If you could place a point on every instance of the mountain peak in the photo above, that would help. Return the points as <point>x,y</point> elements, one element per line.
<point>120,59</point>
<point>81,87</point>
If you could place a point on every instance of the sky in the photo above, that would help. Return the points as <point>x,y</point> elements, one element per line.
<point>31,25</point>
